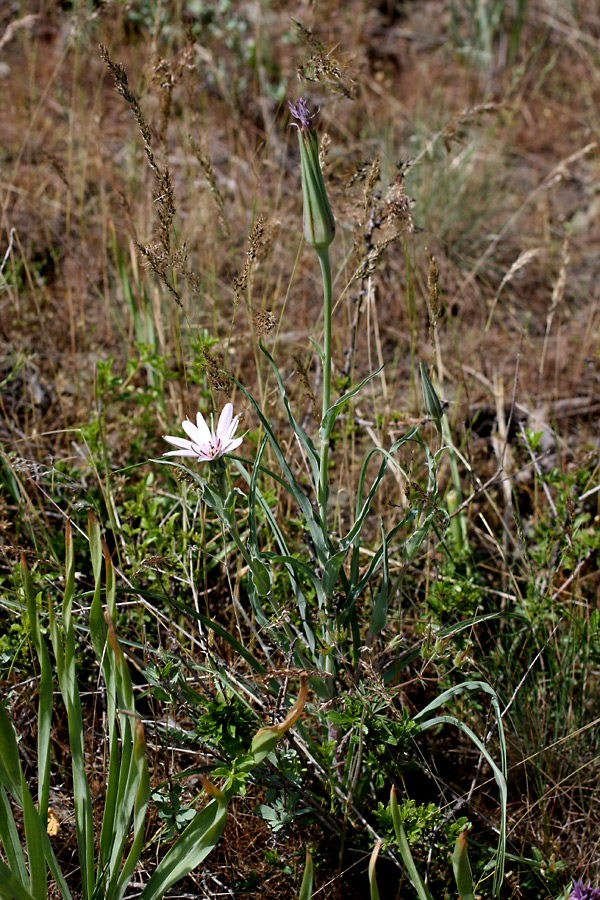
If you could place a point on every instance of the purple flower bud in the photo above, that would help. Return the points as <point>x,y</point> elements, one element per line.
<point>318,221</point>
<point>581,891</point>
<point>300,111</point>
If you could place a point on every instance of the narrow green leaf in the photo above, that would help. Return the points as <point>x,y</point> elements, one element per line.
<point>431,400</point>
<point>141,778</point>
<point>10,763</point>
<point>333,411</point>
<point>65,654</point>
<point>261,576</point>
<point>45,702</point>
<point>462,868</point>
<point>38,841</point>
<point>498,771</point>
<point>372,875</point>
<point>359,585</point>
<point>382,598</point>
<point>404,848</point>
<point>307,879</point>
<point>305,440</point>
<point>254,497</point>
<point>34,839</point>
<point>10,886</point>
<point>10,840</point>
<point>253,492</point>
<point>190,849</point>
<point>67,604</point>
<point>309,514</point>
<point>235,645</point>
<point>331,572</point>
<point>299,567</point>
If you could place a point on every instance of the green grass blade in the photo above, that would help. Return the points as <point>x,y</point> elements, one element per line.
<point>462,868</point>
<point>309,448</point>
<point>404,848</point>
<point>9,837</point>
<point>123,769</point>
<point>254,495</point>
<point>45,702</point>
<point>307,879</point>
<point>334,411</point>
<point>499,771</point>
<point>10,886</point>
<point>10,763</point>
<point>67,604</point>
<point>191,848</point>
<point>452,692</point>
<point>221,632</point>
<point>39,848</point>
<point>359,584</point>
<point>142,797</point>
<point>106,658</point>
<point>64,651</point>
<point>310,516</point>
<point>500,778</point>
<point>97,623</point>
<point>372,875</point>
<point>382,598</point>
<point>300,567</point>
<point>34,838</point>
<point>13,779</point>
<point>363,507</point>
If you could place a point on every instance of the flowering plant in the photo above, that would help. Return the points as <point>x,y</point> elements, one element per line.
<point>312,605</point>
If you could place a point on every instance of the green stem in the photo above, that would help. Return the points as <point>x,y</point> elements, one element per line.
<point>325,433</point>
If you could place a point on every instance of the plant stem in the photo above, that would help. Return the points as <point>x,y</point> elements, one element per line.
<point>325,431</point>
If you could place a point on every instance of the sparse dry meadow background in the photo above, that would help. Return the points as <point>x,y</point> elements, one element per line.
<point>138,265</point>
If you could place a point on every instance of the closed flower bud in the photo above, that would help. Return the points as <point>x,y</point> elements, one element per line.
<point>319,224</point>
<point>430,398</point>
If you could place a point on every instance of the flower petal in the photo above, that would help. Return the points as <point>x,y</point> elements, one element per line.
<point>231,445</point>
<point>195,433</point>
<point>224,421</point>
<point>181,453</point>
<point>203,428</point>
<point>233,428</point>
<point>177,441</point>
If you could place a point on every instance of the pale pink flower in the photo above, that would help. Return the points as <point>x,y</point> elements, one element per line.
<point>204,444</point>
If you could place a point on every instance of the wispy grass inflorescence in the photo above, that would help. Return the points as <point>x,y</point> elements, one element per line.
<point>322,66</point>
<point>206,165</point>
<point>162,256</point>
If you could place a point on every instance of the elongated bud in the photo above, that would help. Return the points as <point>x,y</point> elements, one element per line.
<point>319,224</point>
<point>213,791</point>
<point>430,398</point>
<point>267,738</point>
<point>462,868</point>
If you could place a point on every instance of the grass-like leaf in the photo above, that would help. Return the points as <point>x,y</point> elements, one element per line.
<point>191,848</point>
<point>462,868</point>
<point>306,887</point>
<point>45,702</point>
<point>372,874</point>
<point>404,848</point>
<point>498,771</point>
